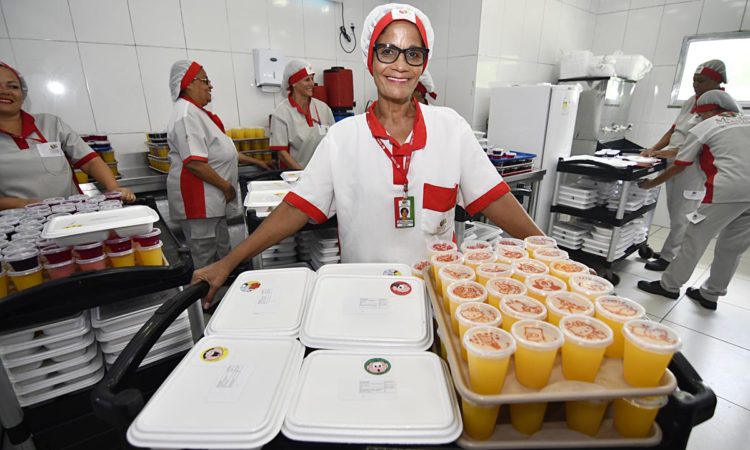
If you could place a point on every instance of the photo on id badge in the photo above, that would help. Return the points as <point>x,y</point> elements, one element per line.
<point>404,212</point>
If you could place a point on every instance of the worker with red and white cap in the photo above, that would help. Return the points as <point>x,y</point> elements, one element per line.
<point>718,146</point>
<point>301,121</point>
<point>38,152</point>
<point>398,155</point>
<point>684,191</point>
<point>425,88</point>
<point>202,177</point>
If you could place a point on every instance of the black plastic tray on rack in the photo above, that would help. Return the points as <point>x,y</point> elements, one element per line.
<point>596,260</point>
<point>598,169</point>
<point>602,214</point>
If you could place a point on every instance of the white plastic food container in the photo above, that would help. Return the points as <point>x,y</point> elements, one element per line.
<point>373,269</point>
<point>367,312</point>
<point>95,226</point>
<point>263,303</point>
<point>225,393</point>
<point>376,398</point>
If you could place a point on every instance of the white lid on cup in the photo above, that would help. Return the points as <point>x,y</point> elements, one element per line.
<point>510,241</point>
<point>652,336</point>
<point>649,402</point>
<point>479,256</point>
<point>586,331</point>
<point>567,267</point>
<point>533,242</point>
<point>494,270</point>
<point>489,342</point>
<point>466,291</point>
<point>510,253</point>
<point>456,272</point>
<point>619,309</point>
<point>441,247</point>
<point>590,285</point>
<point>537,334</point>
<point>502,286</point>
<point>567,303</point>
<point>529,267</point>
<point>475,314</point>
<point>473,244</point>
<point>549,254</point>
<point>522,307</point>
<point>443,258</point>
<point>544,285</point>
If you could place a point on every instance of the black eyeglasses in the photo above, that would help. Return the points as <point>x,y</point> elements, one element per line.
<point>388,54</point>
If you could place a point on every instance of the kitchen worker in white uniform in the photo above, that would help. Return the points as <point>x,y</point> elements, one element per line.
<point>300,122</point>
<point>684,191</point>
<point>719,146</point>
<point>425,88</point>
<point>203,160</point>
<point>398,154</point>
<point>38,152</point>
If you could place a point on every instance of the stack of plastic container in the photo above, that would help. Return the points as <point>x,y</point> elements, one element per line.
<point>115,325</point>
<point>304,240</point>
<point>264,196</point>
<point>600,236</point>
<point>325,248</point>
<point>576,196</point>
<point>281,254</point>
<point>570,235</point>
<point>52,359</point>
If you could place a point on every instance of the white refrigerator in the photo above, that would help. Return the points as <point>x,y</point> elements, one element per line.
<point>536,119</point>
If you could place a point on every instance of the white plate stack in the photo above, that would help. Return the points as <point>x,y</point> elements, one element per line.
<point>570,235</point>
<point>115,325</point>
<point>228,392</point>
<point>576,196</point>
<point>266,303</point>
<point>478,231</point>
<point>601,235</point>
<point>641,230</point>
<point>281,254</point>
<point>372,382</point>
<point>50,360</point>
<point>325,248</point>
<point>264,196</point>
<point>632,203</point>
<point>304,240</point>
<point>604,189</point>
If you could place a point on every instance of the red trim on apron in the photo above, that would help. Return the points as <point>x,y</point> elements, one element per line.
<point>708,167</point>
<point>193,195</point>
<point>490,196</point>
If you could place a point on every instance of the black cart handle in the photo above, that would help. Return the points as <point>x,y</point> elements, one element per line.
<point>120,407</point>
<point>694,393</point>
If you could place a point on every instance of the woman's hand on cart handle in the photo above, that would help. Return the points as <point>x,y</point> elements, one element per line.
<point>127,195</point>
<point>649,152</point>
<point>214,274</point>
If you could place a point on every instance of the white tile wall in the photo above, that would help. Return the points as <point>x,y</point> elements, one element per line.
<point>102,21</point>
<point>609,33</point>
<point>3,28</point>
<point>679,20</point>
<point>491,29</point>
<point>353,13</point>
<point>286,23</point>
<point>642,31</point>
<point>219,68</point>
<point>321,28</point>
<point>155,64</point>
<point>459,89</point>
<point>721,15</point>
<point>531,36</point>
<point>6,52</point>
<point>746,19</point>
<point>512,27</point>
<point>464,32</point>
<point>607,6</point>
<point>548,52</point>
<point>157,23</point>
<point>635,4</point>
<point>38,19</point>
<point>206,25</point>
<point>254,106</point>
<point>248,24</point>
<point>440,18</point>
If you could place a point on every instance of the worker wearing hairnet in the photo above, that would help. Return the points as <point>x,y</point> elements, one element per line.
<point>684,191</point>
<point>425,88</point>
<point>300,122</point>
<point>718,145</point>
<point>393,174</point>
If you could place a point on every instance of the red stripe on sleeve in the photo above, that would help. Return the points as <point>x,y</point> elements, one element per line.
<point>85,159</point>
<point>490,196</point>
<point>194,158</point>
<point>306,207</point>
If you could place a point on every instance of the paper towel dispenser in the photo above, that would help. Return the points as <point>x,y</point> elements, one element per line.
<point>269,68</point>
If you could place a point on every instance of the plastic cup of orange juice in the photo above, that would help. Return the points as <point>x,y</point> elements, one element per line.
<point>540,286</point>
<point>488,352</point>
<point>441,247</point>
<point>549,254</point>
<point>3,282</point>
<point>438,260</point>
<point>26,279</point>
<point>510,253</point>
<point>473,314</point>
<point>590,286</point>
<point>487,271</point>
<point>585,416</point>
<point>479,421</point>
<point>501,287</point>
<point>474,258</point>
<point>122,259</point>
<point>536,348</point>
<point>634,417</point>
<point>450,273</point>
<point>417,269</point>
<point>532,243</point>
<point>519,307</point>
<point>564,269</point>
<point>473,244</point>
<point>561,304</point>
<point>150,256</point>
<point>615,311</point>
<point>586,339</point>
<point>460,292</point>
<point>527,418</point>
<point>526,267</point>
<point>649,347</point>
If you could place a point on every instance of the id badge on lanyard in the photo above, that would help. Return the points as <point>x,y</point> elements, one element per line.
<point>403,206</point>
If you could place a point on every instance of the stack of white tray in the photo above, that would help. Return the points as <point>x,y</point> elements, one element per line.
<point>49,360</point>
<point>115,325</point>
<point>281,254</point>
<point>576,196</point>
<point>264,196</point>
<point>325,248</point>
<point>570,235</point>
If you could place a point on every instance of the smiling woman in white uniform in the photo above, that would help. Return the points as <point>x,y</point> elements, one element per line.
<point>399,154</point>
<point>300,122</point>
<point>38,152</point>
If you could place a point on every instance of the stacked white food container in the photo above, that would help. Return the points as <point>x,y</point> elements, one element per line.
<point>264,196</point>
<point>571,235</point>
<point>52,359</point>
<point>281,254</point>
<point>325,248</point>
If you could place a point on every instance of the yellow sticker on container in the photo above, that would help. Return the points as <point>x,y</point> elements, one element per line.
<point>214,354</point>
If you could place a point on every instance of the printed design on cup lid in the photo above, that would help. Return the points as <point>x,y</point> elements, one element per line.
<point>489,340</point>
<point>652,332</point>
<point>421,265</point>
<point>478,313</point>
<point>547,284</point>
<point>619,307</point>
<point>479,255</point>
<point>377,366</point>
<point>512,253</point>
<point>585,330</point>
<point>511,242</point>
<point>530,267</point>
<point>568,266</point>
<point>400,288</point>
<point>447,257</point>
<point>478,245</point>
<point>456,274</point>
<point>392,272</point>
<point>524,306</point>
<point>442,246</point>
<point>591,283</point>
<point>540,240</point>
<point>507,287</point>
<point>214,354</point>
<point>494,267</point>
<point>535,333</point>
<point>570,303</point>
<point>467,291</point>
<point>550,252</point>
<point>249,286</point>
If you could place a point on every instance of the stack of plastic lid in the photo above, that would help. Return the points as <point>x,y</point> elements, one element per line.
<point>649,196</point>
<point>601,235</point>
<point>577,196</point>
<point>52,359</point>
<point>116,324</point>
<point>228,392</point>
<point>304,241</point>
<point>369,269</point>
<point>281,254</point>
<point>631,204</point>
<point>325,248</point>
<point>641,230</point>
<point>570,235</point>
<point>264,196</point>
<point>263,303</point>
<point>481,232</point>
<point>372,312</point>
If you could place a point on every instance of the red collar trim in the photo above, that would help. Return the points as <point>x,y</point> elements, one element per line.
<point>214,118</point>
<point>190,74</point>
<point>28,127</point>
<point>384,21</point>
<point>308,116</point>
<point>419,132</point>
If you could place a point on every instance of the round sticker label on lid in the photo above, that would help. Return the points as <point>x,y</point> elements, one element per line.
<point>214,354</point>
<point>401,288</point>
<point>249,286</point>
<point>377,366</point>
<point>392,272</point>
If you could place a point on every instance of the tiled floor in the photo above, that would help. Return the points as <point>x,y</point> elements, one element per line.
<point>716,343</point>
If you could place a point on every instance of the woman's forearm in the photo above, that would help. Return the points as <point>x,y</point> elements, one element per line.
<point>203,171</point>
<point>509,215</point>
<point>15,202</point>
<point>289,160</point>
<point>100,171</point>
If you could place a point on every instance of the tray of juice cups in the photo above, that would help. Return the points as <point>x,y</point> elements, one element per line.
<point>450,273</point>
<point>510,253</point>
<point>377,397</point>
<point>247,413</point>
<point>581,353</point>
<point>367,312</point>
<point>441,259</point>
<point>520,307</point>
<point>487,271</point>
<point>461,292</point>
<point>475,314</point>
<point>474,244</point>
<point>474,258</point>
<point>24,268</point>
<point>96,226</point>
<point>263,303</point>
